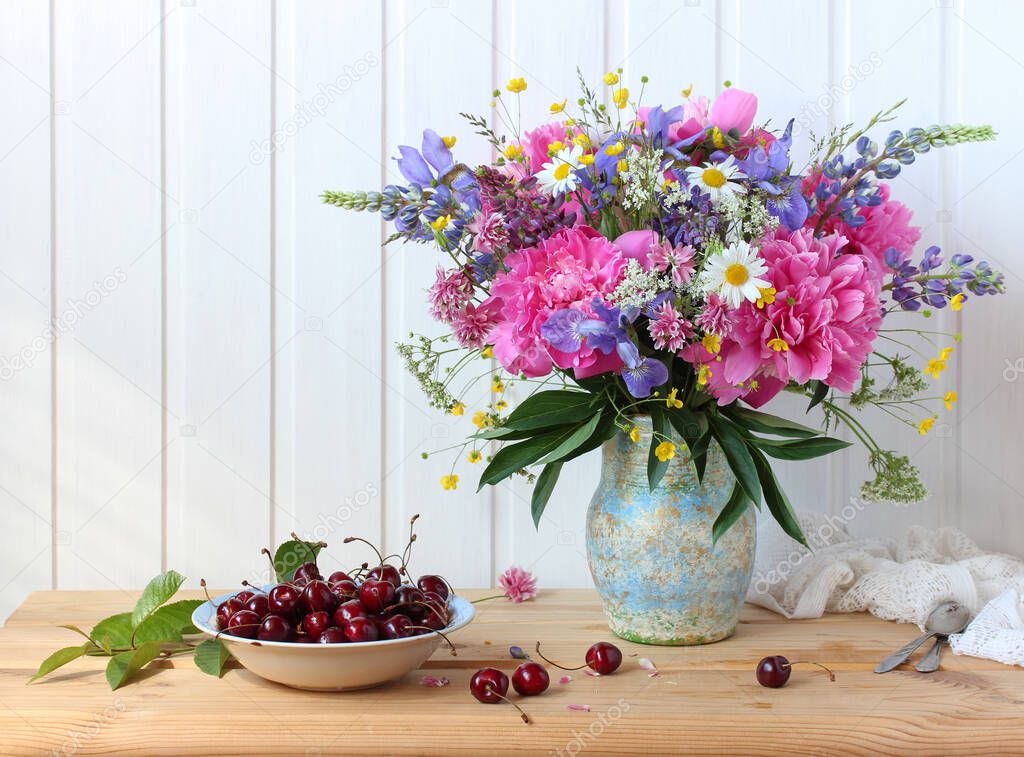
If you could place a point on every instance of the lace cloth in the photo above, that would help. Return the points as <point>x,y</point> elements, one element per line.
<point>899,579</point>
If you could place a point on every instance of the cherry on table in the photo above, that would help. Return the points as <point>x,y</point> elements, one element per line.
<point>274,628</point>
<point>603,658</point>
<point>774,671</point>
<point>490,685</point>
<point>530,679</point>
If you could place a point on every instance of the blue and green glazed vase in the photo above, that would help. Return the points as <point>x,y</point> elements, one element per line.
<point>661,578</point>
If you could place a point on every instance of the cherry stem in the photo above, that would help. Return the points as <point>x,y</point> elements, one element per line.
<point>273,567</point>
<point>549,662</point>
<point>305,545</point>
<point>522,712</point>
<point>349,539</point>
<point>202,582</point>
<point>447,640</point>
<point>831,675</point>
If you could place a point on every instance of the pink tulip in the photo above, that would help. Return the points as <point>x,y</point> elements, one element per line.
<point>734,109</point>
<point>637,245</point>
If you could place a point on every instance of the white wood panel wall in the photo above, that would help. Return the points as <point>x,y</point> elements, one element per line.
<point>197,356</point>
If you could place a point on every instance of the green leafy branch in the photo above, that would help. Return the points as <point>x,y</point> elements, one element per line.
<point>133,639</point>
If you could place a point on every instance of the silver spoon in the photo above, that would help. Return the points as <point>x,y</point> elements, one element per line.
<point>947,618</point>
<point>930,662</point>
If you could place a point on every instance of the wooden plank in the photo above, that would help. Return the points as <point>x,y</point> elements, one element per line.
<point>219,283</point>
<point>108,272</point>
<point>415,75</point>
<point>704,700</point>
<point>26,341</point>
<point>328,387</point>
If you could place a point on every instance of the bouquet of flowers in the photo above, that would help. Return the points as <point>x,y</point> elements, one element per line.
<point>671,261</point>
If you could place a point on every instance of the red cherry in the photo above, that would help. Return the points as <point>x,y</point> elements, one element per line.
<point>604,658</point>
<point>244,623</point>
<point>398,627</point>
<point>338,575</point>
<point>435,584</point>
<point>317,596</point>
<point>347,611</point>
<point>387,573</point>
<point>245,595</point>
<point>489,685</point>
<point>361,629</point>
<point>332,635</point>
<point>259,604</point>
<point>315,623</point>
<point>274,628</point>
<point>530,679</point>
<point>226,609</point>
<point>774,671</point>
<point>376,595</point>
<point>307,572</point>
<point>283,599</point>
<point>344,590</point>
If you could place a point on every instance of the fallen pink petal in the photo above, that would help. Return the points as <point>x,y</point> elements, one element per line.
<point>646,664</point>
<point>580,707</point>
<point>590,672</point>
<point>565,679</point>
<point>432,682</point>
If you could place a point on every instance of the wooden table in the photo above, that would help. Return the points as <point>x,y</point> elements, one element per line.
<point>705,699</point>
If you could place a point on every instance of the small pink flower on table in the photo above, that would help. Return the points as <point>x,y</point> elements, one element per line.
<point>519,585</point>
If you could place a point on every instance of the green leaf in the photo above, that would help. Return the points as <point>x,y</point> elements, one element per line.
<point>775,498</point>
<point>662,430</point>
<point>821,390</point>
<point>76,629</point>
<point>764,423</point>
<point>59,658</point>
<point>513,457</point>
<point>689,425</point>
<point>169,622</point>
<point>737,455</point>
<point>699,454</point>
<point>211,656</point>
<point>115,631</point>
<point>542,490</point>
<point>158,591</point>
<point>126,664</point>
<point>501,432</point>
<point>734,508</point>
<point>290,555</point>
<point>800,449</point>
<point>554,407</point>
<point>580,435</point>
<point>605,430</point>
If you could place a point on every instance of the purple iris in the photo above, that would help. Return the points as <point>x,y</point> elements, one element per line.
<point>567,329</point>
<point>419,166</point>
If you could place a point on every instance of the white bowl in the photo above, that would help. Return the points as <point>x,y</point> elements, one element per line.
<point>332,667</point>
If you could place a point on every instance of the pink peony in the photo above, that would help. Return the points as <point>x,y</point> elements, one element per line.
<point>472,325</point>
<point>568,269</point>
<point>822,323</point>
<point>535,143</point>
<point>733,109</point>
<point>886,225</point>
<point>451,291</point>
<point>519,585</point>
<point>668,329</point>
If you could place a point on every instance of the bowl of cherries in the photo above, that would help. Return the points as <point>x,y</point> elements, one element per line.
<point>352,630</point>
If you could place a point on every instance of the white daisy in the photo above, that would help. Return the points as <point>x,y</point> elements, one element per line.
<point>734,274</point>
<point>559,175</point>
<point>716,179</point>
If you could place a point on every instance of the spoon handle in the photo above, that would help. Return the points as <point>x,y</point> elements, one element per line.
<point>930,662</point>
<point>900,656</point>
